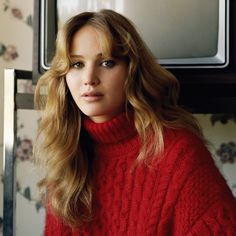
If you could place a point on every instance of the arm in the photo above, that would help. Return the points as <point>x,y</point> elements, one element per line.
<point>219,219</point>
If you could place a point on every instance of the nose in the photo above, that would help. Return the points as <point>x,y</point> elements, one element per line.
<point>91,76</point>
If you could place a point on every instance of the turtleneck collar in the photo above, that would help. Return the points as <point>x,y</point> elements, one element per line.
<point>118,129</point>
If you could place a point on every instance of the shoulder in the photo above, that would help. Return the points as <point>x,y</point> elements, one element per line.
<point>184,142</point>
<point>191,183</point>
<point>184,152</point>
<point>199,186</point>
<point>188,162</point>
<point>180,136</point>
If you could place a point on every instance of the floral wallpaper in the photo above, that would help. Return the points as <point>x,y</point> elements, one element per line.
<point>16,52</point>
<point>9,52</point>
<point>226,151</point>
<point>24,147</point>
<point>27,175</point>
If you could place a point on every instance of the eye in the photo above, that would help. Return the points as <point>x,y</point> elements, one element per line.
<point>108,64</point>
<point>77,65</point>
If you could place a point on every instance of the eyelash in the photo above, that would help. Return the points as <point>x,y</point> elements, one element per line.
<point>107,64</point>
<point>77,65</point>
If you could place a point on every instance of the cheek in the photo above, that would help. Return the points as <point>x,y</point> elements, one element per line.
<point>72,82</point>
<point>69,82</point>
<point>117,91</point>
<point>118,83</point>
<point>74,89</point>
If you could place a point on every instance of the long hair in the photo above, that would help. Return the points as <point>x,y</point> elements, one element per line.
<point>151,92</point>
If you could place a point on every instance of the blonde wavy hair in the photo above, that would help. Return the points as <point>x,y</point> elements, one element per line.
<point>151,92</point>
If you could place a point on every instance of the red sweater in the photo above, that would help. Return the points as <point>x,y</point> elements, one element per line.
<point>183,194</point>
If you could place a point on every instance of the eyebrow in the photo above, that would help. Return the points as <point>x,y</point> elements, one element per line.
<point>81,56</point>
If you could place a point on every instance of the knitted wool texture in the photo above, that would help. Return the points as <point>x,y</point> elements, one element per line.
<point>181,194</point>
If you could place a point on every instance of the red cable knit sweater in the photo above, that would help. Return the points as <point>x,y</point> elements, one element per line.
<point>184,194</point>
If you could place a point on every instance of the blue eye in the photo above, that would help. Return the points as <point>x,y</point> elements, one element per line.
<point>77,65</point>
<point>108,63</point>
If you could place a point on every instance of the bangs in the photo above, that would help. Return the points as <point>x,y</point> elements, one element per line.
<point>105,41</point>
<point>110,45</point>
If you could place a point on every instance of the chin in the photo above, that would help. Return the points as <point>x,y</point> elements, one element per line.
<point>100,117</point>
<point>93,113</point>
<point>99,111</point>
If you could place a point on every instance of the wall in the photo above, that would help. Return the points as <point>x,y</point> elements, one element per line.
<point>16,39</point>
<point>16,35</point>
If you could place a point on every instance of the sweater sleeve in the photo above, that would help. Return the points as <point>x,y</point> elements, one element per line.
<point>205,205</point>
<point>219,219</point>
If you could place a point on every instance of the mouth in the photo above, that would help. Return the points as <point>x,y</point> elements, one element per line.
<point>92,96</point>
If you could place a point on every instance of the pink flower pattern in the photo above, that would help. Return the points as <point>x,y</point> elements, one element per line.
<point>10,53</point>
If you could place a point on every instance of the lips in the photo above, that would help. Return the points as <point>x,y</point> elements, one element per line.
<point>92,96</point>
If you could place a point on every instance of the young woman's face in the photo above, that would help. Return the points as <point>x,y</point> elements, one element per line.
<point>95,82</point>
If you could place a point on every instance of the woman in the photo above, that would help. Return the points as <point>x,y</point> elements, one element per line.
<point>121,157</point>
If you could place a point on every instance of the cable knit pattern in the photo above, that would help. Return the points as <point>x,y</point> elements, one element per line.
<point>183,194</point>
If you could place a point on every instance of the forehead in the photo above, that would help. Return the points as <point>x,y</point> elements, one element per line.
<point>90,40</point>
